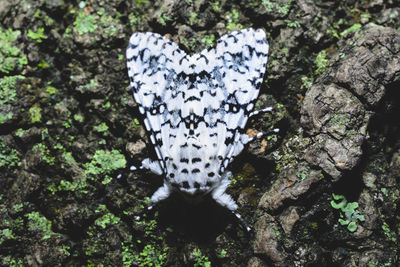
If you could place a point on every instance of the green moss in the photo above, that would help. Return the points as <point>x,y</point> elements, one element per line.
<point>35,113</point>
<point>38,36</point>
<point>200,259</point>
<point>151,256</point>
<point>193,19</point>
<point>101,128</point>
<point>43,64</point>
<point>44,153</point>
<point>78,117</point>
<point>354,28</point>
<point>216,6</point>
<point>109,23</point>
<point>8,156</point>
<point>85,23</point>
<point>233,21</point>
<point>164,18</point>
<point>388,233</point>
<point>65,250</point>
<point>104,163</point>
<point>321,62</point>
<point>11,58</point>
<point>292,24</point>
<point>8,95</point>
<point>91,84</point>
<point>107,219</point>
<point>64,185</point>
<point>39,223</point>
<point>50,90</point>
<point>222,254</point>
<point>6,234</point>
<point>208,40</point>
<point>349,215</point>
<point>12,262</point>
<point>302,173</point>
<point>282,8</point>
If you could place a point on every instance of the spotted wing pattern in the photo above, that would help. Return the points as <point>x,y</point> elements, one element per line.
<point>196,107</point>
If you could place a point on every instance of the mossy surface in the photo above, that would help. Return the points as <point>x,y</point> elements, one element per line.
<point>69,127</point>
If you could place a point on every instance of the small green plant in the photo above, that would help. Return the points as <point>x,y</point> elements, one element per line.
<point>354,28</point>
<point>85,23</point>
<point>101,128</point>
<point>8,156</point>
<point>282,9</point>
<point>222,254</point>
<point>233,21</point>
<point>11,58</point>
<point>65,250</point>
<point>164,18</point>
<point>44,153</point>
<point>151,256</point>
<point>193,19</point>
<point>8,95</point>
<point>215,6</point>
<point>39,223</point>
<point>321,62</point>
<point>107,219</point>
<point>78,117</point>
<point>50,90</point>
<point>133,19</point>
<point>302,174</point>
<point>38,36</point>
<point>18,207</point>
<point>35,113</point>
<point>292,24</point>
<point>6,234</point>
<point>104,163</point>
<point>388,232</point>
<point>200,260</point>
<point>349,215</point>
<point>208,39</point>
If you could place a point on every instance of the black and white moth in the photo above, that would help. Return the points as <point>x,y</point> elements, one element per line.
<point>196,107</point>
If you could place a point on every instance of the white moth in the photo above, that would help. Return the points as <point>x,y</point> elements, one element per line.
<point>196,108</point>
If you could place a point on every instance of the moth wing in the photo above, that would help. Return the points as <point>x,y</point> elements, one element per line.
<point>239,61</point>
<point>152,68</point>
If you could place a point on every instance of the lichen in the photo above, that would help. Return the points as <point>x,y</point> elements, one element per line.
<point>11,58</point>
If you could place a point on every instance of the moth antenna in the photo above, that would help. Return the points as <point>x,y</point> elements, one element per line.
<point>264,110</point>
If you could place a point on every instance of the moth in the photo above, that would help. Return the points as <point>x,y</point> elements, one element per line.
<point>196,108</point>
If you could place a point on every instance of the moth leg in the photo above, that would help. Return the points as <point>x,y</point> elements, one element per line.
<point>242,221</point>
<point>245,139</point>
<point>256,112</point>
<point>221,197</point>
<point>151,165</point>
<point>225,200</point>
<point>161,193</point>
<point>148,164</point>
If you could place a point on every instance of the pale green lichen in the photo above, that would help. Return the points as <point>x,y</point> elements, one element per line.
<point>11,58</point>
<point>8,156</point>
<point>85,23</point>
<point>8,95</point>
<point>38,36</point>
<point>40,224</point>
<point>35,114</point>
<point>349,214</point>
<point>104,163</point>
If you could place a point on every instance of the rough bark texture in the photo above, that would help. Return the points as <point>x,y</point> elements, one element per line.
<point>325,191</point>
